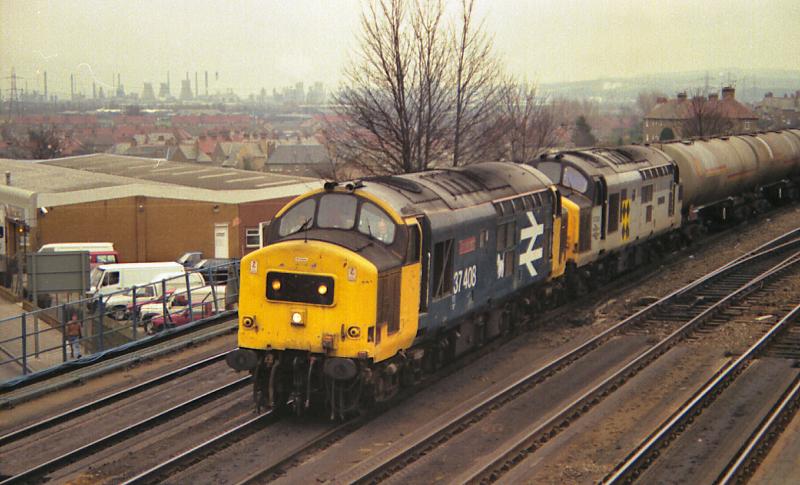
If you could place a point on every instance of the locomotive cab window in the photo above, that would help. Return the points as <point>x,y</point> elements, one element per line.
<point>375,223</point>
<point>301,216</point>
<point>337,211</point>
<point>574,179</point>
<point>552,170</point>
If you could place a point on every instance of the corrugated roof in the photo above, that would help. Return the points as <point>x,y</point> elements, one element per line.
<point>38,177</point>
<point>104,176</point>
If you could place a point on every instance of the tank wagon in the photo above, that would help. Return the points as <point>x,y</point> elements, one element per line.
<point>362,287</point>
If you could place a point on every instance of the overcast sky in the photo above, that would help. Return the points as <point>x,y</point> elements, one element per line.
<point>273,43</point>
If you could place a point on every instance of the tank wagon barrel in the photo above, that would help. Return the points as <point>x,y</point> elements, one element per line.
<point>714,169</point>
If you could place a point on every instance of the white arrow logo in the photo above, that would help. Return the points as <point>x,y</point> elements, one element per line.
<point>532,232</point>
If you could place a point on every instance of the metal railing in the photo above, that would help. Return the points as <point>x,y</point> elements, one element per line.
<point>34,341</point>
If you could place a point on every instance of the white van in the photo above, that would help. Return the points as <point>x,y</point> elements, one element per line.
<point>108,278</point>
<point>99,252</point>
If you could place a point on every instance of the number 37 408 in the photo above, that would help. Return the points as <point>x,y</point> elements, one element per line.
<point>465,279</point>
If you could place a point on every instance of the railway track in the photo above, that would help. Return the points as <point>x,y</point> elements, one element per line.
<point>780,340</point>
<point>47,423</point>
<point>696,303</point>
<point>255,424</point>
<point>23,444</point>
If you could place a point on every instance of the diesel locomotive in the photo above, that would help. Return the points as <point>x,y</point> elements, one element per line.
<point>364,286</point>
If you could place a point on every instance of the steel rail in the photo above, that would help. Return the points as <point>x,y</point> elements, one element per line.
<point>479,472</point>
<point>371,469</point>
<point>749,454</point>
<point>152,474</point>
<point>124,433</point>
<point>633,463</point>
<point>261,475</point>
<point>106,400</point>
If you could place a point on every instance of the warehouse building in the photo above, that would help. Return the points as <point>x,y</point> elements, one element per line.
<point>152,210</point>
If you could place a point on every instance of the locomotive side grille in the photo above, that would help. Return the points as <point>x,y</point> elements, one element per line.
<point>389,301</point>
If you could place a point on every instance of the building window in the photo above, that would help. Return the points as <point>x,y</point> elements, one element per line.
<point>251,239</point>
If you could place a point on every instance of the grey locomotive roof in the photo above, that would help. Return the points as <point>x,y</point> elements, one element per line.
<point>607,161</point>
<point>442,190</point>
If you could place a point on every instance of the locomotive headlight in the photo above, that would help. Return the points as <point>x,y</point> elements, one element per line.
<point>322,289</point>
<point>276,285</point>
<point>297,318</point>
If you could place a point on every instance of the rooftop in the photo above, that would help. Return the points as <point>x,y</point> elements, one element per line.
<point>681,107</point>
<point>298,154</point>
<point>178,173</point>
<point>107,176</point>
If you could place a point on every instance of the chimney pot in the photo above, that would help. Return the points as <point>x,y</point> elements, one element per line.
<point>728,92</point>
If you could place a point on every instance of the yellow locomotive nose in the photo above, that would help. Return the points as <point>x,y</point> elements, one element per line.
<point>306,296</point>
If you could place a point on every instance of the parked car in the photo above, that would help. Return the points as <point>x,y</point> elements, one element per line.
<point>178,299</point>
<point>187,260</point>
<point>216,270</point>
<point>119,304</point>
<point>180,314</point>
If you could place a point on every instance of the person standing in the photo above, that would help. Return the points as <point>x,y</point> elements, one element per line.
<point>74,334</point>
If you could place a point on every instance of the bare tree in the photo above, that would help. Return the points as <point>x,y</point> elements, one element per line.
<point>705,117</point>
<point>528,122</point>
<point>393,109</point>
<point>336,167</point>
<point>420,91</point>
<point>434,100</point>
<point>374,104</point>
<point>477,87</point>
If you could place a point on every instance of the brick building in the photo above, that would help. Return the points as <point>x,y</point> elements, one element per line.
<point>779,112</point>
<point>667,119</point>
<point>152,210</point>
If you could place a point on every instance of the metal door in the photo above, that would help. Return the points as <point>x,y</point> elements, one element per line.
<point>221,240</point>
